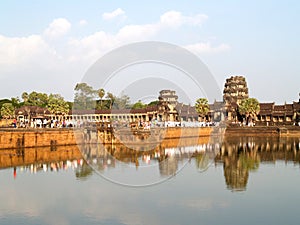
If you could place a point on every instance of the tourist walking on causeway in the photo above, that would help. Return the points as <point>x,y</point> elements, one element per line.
<point>15,123</point>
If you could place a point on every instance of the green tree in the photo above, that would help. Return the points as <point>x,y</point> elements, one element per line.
<point>122,102</point>
<point>101,94</point>
<point>7,111</point>
<point>249,108</point>
<point>139,105</point>
<point>153,103</point>
<point>83,172</point>
<point>57,105</point>
<point>202,107</point>
<point>71,104</point>
<point>111,98</point>
<point>2,101</point>
<point>202,161</point>
<point>84,96</point>
<point>37,99</point>
<point>25,97</point>
<point>15,102</point>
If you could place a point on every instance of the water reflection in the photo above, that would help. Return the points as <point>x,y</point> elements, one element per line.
<point>144,165</point>
<point>35,160</point>
<point>238,156</point>
<point>241,155</point>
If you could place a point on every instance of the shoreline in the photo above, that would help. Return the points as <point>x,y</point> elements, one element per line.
<point>11,138</point>
<point>276,131</point>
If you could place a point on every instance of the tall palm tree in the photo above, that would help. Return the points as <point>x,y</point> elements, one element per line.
<point>112,99</point>
<point>25,96</point>
<point>250,108</point>
<point>101,94</point>
<point>202,107</point>
<point>84,96</point>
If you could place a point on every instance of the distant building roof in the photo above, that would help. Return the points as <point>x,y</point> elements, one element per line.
<point>266,108</point>
<point>114,111</point>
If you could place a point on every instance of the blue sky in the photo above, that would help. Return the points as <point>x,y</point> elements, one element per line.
<point>48,46</point>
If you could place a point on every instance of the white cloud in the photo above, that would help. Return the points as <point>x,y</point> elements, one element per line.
<point>196,20</point>
<point>93,46</point>
<point>89,48</point>
<point>41,58</point>
<point>19,50</point>
<point>172,19</point>
<point>137,32</point>
<point>111,15</point>
<point>57,28</point>
<point>176,19</point>
<point>206,47</point>
<point>82,22</point>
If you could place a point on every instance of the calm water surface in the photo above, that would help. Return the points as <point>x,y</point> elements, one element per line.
<point>250,181</point>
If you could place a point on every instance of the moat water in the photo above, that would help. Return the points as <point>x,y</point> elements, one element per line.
<point>247,181</point>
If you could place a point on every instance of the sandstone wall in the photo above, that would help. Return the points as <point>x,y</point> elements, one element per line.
<point>28,138</point>
<point>174,132</point>
<point>289,131</point>
<point>20,138</point>
<point>17,138</point>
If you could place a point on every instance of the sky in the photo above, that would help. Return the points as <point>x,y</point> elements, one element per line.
<point>48,46</point>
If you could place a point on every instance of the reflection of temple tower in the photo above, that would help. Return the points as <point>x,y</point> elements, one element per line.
<point>168,166</point>
<point>236,177</point>
<point>240,155</point>
<point>235,173</point>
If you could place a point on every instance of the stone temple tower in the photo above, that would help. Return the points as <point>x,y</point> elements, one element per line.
<point>235,90</point>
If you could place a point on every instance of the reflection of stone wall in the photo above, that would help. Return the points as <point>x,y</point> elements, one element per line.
<point>27,156</point>
<point>266,148</point>
<point>126,154</point>
<point>241,155</point>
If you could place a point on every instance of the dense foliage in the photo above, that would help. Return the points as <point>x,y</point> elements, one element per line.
<point>89,99</point>
<point>249,108</point>
<point>57,104</point>
<point>7,111</point>
<point>86,98</point>
<point>202,106</point>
